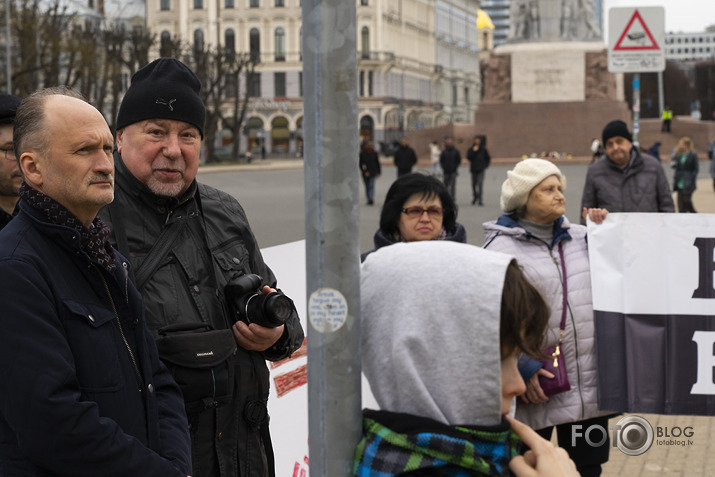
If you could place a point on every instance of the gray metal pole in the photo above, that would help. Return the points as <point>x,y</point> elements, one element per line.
<point>8,42</point>
<point>331,136</point>
<point>636,107</point>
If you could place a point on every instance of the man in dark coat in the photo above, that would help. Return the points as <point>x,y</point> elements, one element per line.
<point>10,175</point>
<point>478,158</point>
<point>625,180</point>
<point>82,390</point>
<point>160,127</point>
<point>370,169</point>
<point>450,159</point>
<point>405,158</point>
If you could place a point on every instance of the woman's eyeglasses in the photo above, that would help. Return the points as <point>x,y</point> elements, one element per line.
<point>417,211</point>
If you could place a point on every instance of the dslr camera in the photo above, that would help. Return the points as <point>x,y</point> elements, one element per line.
<point>249,304</point>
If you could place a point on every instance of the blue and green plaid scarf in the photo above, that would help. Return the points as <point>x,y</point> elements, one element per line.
<point>394,444</point>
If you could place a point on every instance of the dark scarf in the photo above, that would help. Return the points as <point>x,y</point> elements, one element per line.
<point>93,240</point>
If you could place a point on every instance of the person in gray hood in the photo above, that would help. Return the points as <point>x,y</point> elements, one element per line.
<point>442,326</point>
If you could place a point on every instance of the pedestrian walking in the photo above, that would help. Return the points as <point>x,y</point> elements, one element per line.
<point>479,159</point>
<point>405,158</point>
<point>685,162</point>
<point>370,169</point>
<point>449,160</point>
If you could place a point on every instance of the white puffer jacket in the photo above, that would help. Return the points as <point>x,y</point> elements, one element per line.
<point>542,265</point>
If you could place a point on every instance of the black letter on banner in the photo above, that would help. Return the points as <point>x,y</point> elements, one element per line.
<point>706,266</point>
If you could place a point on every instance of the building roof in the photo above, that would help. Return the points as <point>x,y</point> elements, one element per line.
<point>484,20</point>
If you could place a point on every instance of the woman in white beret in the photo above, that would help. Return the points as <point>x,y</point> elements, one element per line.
<point>554,255</point>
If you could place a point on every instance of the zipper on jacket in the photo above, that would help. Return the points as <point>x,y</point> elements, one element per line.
<point>575,336</point>
<point>119,324</point>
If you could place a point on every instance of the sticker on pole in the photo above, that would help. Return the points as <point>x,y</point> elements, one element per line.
<point>635,40</point>
<point>327,310</point>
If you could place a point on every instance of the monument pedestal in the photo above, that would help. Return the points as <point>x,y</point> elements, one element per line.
<point>548,96</point>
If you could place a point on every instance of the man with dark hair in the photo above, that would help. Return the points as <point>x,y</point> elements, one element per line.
<point>186,242</point>
<point>10,175</point>
<point>450,159</point>
<point>82,390</point>
<point>405,158</point>
<point>625,180</point>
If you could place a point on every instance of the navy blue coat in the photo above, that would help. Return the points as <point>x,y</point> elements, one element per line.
<point>71,400</point>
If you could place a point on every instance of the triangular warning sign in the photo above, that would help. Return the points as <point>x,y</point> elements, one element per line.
<point>636,36</point>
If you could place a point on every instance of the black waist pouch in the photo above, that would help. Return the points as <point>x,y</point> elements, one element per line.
<point>201,360</point>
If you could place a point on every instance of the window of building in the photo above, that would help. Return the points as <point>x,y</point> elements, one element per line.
<point>369,83</point>
<point>300,44</point>
<point>230,40</point>
<point>165,44</point>
<point>363,3</point>
<point>279,84</point>
<point>254,85</point>
<point>198,4</point>
<point>300,84</point>
<point>254,4</point>
<point>454,95</point>
<point>280,3</point>
<point>466,96</point>
<point>165,5</point>
<point>361,84</point>
<point>365,42</point>
<point>198,40</point>
<point>280,37</point>
<point>255,44</point>
<point>229,4</point>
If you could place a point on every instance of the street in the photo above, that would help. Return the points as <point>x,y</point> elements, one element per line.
<point>274,200</point>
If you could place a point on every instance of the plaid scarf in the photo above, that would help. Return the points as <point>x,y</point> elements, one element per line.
<point>93,240</point>
<point>425,444</point>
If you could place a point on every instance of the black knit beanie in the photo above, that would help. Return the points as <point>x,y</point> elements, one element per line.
<point>616,128</point>
<point>8,108</point>
<point>164,89</point>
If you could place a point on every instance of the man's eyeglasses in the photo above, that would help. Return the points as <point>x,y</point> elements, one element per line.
<point>8,153</point>
<point>417,211</point>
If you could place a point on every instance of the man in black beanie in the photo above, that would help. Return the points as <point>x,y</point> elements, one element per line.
<point>10,175</point>
<point>626,180</point>
<point>186,241</point>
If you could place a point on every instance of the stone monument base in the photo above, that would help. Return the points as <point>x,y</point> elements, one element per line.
<point>517,129</point>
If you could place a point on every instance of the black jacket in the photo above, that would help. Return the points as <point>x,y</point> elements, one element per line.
<point>217,245</point>
<point>478,160</point>
<point>405,159</point>
<point>369,163</point>
<point>450,159</point>
<point>71,399</point>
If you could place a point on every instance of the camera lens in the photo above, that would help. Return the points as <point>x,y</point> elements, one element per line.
<point>270,310</point>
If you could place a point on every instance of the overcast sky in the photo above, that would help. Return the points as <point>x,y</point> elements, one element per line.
<point>680,15</point>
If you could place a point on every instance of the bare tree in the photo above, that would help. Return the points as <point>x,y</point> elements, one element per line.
<point>244,65</point>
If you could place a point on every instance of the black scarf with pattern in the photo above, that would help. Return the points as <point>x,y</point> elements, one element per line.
<point>93,239</point>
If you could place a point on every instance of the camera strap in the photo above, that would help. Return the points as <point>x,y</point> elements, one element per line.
<point>160,249</point>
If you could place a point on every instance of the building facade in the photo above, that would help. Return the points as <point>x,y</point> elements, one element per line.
<point>690,46</point>
<point>417,62</point>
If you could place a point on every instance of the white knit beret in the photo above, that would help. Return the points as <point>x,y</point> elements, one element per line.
<point>526,175</point>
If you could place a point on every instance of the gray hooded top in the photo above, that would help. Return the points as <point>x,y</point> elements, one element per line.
<point>430,330</point>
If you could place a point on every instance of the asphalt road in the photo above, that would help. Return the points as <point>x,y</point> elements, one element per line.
<point>275,203</point>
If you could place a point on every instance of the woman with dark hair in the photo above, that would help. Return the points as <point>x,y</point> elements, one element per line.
<point>685,179</point>
<point>418,207</point>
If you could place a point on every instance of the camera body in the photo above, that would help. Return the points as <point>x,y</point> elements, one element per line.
<point>249,304</point>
